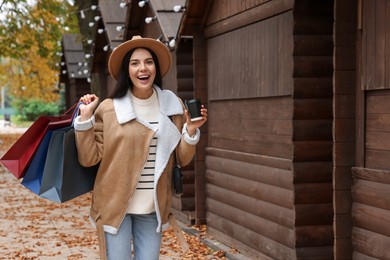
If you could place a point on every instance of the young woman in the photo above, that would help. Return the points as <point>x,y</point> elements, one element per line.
<point>133,135</point>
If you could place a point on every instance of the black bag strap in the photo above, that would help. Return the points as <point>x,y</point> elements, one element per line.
<point>174,152</point>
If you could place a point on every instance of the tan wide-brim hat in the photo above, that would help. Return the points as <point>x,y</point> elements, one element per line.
<point>160,49</point>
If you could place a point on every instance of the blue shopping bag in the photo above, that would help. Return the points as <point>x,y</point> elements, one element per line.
<point>33,177</point>
<point>64,178</point>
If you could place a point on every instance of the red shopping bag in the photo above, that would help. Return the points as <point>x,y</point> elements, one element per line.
<point>19,156</point>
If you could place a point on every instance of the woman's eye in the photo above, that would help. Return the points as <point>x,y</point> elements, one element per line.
<point>133,63</point>
<point>149,62</point>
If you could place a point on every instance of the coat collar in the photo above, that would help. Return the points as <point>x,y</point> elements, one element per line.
<point>169,105</point>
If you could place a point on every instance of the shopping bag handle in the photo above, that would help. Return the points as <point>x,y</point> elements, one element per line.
<point>73,108</point>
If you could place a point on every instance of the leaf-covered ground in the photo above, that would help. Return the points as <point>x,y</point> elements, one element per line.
<point>34,228</point>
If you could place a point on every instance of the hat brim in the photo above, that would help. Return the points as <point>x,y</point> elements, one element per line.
<point>161,50</point>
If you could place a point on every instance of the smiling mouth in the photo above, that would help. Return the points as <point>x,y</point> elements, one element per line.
<point>143,77</point>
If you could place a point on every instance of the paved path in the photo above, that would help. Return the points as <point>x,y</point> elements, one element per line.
<point>34,228</point>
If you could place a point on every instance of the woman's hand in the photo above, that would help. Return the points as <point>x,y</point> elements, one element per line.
<point>90,102</point>
<point>193,125</point>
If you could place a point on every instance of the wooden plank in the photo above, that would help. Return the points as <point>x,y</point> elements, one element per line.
<point>312,88</point>
<point>311,193</point>
<point>371,218</point>
<point>273,162</point>
<point>313,45</point>
<point>280,215</point>
<point>313,66</point>
<point>261,191</point>
<point>312,151</point>
<point>306,130</point>
<point>377,159</point>
<point>342,227</point>
<point>344,154</point>
<point>369,45</point>
<point>261,226</point>
<point>360,256</point>
<point>277,177</point>
<point>319,252</point>
<point>311,236</point>
<point>342,248</point>
<point>342,178</point>
<point>378,140</point>
<point>378,104</point>
<point>257,13</point>
<point>261,243</point>
<point>309,172</point>
<point>253,76</point>
<point>342,201</point>
<point>312,109</point>
<point>371,193</point>
<point>380,34</point>
<point>343,127</point>
<point>370,243</point>
<point>252,253</point>
<point>381,176</point>
<point>313,214</point>
<point>378,122</point>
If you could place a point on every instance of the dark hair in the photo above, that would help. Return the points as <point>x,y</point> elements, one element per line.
<point>124,82</point>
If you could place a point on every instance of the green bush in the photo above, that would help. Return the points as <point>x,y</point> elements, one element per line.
<point>34,108</point>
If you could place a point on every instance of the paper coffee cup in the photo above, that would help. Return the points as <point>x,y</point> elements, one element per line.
<point>193,106</point>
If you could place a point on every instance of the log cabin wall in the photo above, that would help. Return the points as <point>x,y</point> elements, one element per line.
<point>312,128</point>
<point>269,156</point>
<point>344,124</point>
<point>371,177</point>
<point>249,178</point>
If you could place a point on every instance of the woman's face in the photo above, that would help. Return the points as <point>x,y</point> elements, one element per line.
<point>142,71</point>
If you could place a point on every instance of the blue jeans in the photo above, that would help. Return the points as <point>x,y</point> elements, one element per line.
<point>139,229</point>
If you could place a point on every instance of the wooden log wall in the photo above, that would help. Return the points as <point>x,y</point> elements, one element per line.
<point>371,183</point>
<point>371,213</point>
<point>249,178</point>
<point>344,123</point>
<point>371,177</point>
<point>312,127</point>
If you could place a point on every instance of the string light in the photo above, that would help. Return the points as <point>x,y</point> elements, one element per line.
<point>122,5</point>
<point>172,43</point>
<point>91,24</point>
<point>120,28</point>
<point>82,15</point>
<point>100,31</point>
<point>178,8</point>
<point>97,18</point>
<point>150,19</point>
<point>142,3</point>
<point>89,41</point>
<point>105,48</point>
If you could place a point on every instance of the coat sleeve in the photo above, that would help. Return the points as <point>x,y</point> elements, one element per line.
<point>89,141</point>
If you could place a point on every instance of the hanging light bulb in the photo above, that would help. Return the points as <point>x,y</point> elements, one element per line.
<point>97,18</point>
<point>87,56</point>
<point>89,41</point>
<point>122,5</point>
<point>64,72</point>
<point>177,8</point>
<point>91,24</point>
<point>150,19</point>
<point>120,28</point>
<point>80,64</point>
<point>93,7</point>
<point>85,72</point>
<point>82,15</point>
<point>62,63</point>
<point>142,3</point>
<point>85,64</point>
<point>172,43</point>
<point>105,48</point>
<point>100,31</point>
<point>89,80</point>
<point>72,74</point>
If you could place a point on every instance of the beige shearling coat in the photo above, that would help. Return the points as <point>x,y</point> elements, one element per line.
<point>119,141</point>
